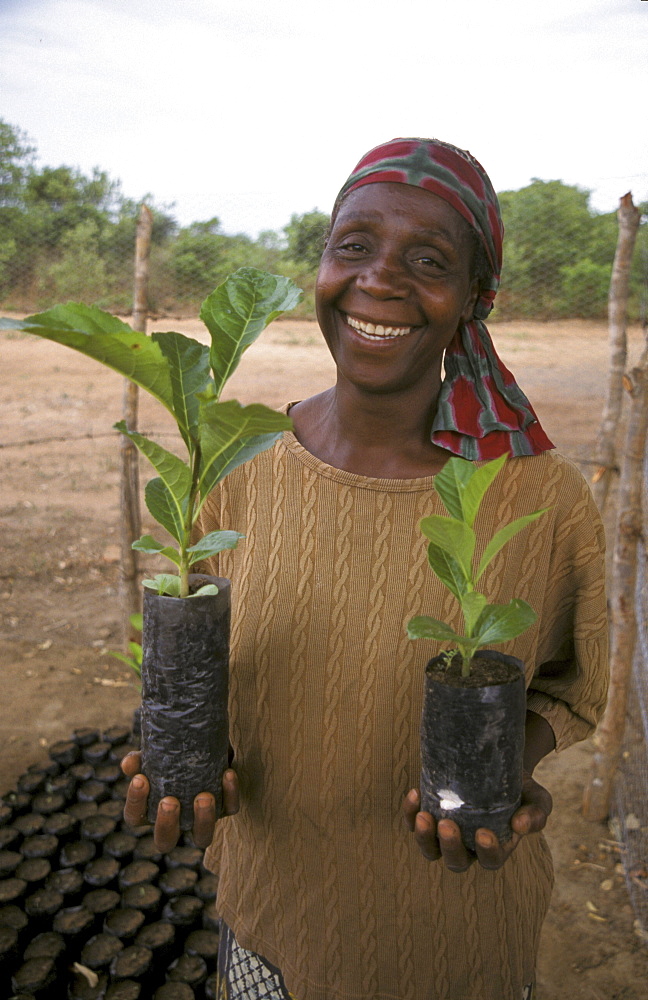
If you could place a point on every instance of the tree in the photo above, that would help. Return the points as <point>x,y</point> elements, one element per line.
<point>59,199</point>
<point>196,257</point>
<point>548,226</point>
<point>16,158</point>
<point>203,256</point>
<point>305,236</point>
<point>558,255</point>
<point>80,273</point>
<point>585,289</point>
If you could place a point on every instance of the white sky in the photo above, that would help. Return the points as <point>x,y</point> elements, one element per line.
<point>251,110</point>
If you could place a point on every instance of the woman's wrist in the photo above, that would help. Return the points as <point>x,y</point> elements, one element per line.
<point>539,740</point>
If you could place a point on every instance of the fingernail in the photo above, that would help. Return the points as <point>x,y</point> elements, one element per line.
<point>167,807</point>
<point>203,802</point>
<point>412,796</point>
<point>137,782</point>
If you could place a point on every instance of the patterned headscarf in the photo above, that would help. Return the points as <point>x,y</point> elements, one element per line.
<point>481,412</point>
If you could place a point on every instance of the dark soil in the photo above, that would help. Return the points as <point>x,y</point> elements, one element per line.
<point>485,671</point>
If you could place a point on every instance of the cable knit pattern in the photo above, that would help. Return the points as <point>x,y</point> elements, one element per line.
<point>317,872</point>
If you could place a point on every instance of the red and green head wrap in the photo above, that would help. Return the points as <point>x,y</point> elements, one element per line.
<point>482,412</point>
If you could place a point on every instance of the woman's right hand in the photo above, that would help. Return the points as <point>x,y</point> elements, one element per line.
<point>167,825</point>
<point>442,840</point>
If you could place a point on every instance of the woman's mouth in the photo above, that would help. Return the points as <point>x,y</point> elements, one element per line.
<point>376,331</point>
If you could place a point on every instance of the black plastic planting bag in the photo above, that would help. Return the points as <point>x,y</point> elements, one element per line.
<point>185,737</point>
<point>472,741</point>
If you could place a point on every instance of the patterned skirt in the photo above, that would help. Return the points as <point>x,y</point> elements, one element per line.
<point>244,975</point>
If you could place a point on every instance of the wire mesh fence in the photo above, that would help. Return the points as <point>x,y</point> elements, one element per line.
<point>92,263</point>
<point>65,236</point>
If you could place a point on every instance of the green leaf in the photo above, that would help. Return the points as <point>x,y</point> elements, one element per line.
<point>423,627</point>
<point>137,621</point>
<point>238,311</point>
<point>230,434</point>
<point>207,590</point>
<point>124,659</point>
<point>164,584</point>
<point>454,537</point>
<point>472,605</point>
<point>451,482</point>
<point>136,651</point>
<point>149,545</point>
<point>462,486</point>
<point>189,374</point>
<point>215,541</point>
<point>107,339</point>
<point>477,486</point>
<point>174,473</point>
<point>500,622</point>
<point>503,536</point>
<point>237,454</point>
<point>448,570</point>
<point>164,509</point>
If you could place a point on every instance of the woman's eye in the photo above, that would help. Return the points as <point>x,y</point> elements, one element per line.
<point>428,262</point>
<point>352,247</point>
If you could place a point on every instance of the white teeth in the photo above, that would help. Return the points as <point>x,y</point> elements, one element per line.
<point>378,332</point>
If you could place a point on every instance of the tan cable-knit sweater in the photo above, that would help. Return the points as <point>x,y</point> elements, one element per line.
<point>317,871</point>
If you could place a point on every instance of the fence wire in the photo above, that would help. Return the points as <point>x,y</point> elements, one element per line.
<point>66,237</point>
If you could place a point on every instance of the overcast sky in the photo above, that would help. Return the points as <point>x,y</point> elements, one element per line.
<point>250,110</point>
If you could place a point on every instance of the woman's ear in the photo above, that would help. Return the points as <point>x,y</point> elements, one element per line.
<point>468,311</point>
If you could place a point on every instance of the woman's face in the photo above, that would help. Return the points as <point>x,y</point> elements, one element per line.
<point>393,285</point>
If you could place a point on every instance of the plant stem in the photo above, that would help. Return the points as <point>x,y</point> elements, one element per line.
<point>466,660</point>
<point>466,651</point>
<point>188,525</point>
<point>184,578</point>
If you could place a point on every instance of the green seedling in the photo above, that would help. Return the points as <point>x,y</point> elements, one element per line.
<point>187,377</point>
<point>452,540</point>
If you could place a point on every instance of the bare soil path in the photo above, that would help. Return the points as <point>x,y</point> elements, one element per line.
<point>60,610</point>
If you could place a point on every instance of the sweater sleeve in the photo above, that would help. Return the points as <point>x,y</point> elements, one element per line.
<point>569,686</point>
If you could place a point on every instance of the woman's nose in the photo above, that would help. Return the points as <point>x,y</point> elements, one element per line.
<point>382,277</point>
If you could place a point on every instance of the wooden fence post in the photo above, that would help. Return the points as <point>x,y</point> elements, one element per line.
<point>629,218</point>
<point>129,479</point>
<point>609,736</point>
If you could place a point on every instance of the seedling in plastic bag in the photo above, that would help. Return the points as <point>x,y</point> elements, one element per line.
<point>461,485</point>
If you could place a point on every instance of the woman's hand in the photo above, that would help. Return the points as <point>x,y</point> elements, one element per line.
<point>443,839</point>
<point>167,825</point>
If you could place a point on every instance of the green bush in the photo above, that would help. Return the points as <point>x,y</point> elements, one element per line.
<point>305,236</point>
<point>80,272</point>
<point>585,287</point>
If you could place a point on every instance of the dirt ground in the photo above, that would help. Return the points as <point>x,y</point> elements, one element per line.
<point>59,585</point>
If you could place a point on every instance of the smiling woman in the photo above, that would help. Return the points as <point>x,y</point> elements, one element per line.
<point>324,892</point>
<point>415,249</point>
<point>393,287</point>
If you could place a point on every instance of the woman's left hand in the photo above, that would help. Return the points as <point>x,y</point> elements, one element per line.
<point>167,825</point>
<point>442,840</point>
